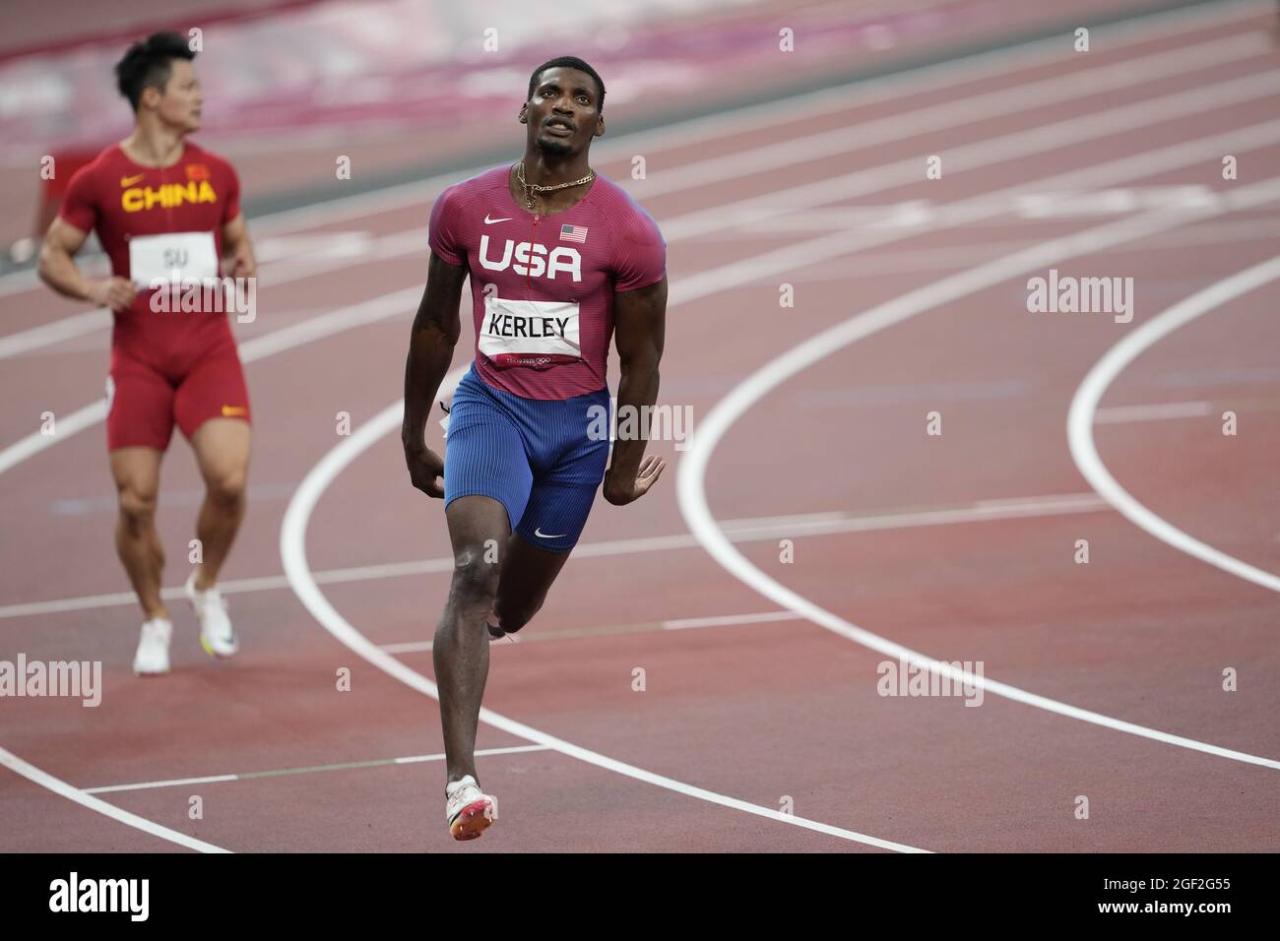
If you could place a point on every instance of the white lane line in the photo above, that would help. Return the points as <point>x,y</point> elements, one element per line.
<point>1003,102</point>
<point>691,474</point>
<point>1081,417</point>
<point>756,160</point>
<point>293,552</point>
<point>727,620</point>
<point>310,769</point>
<point>77,325</point>
<point>878,264</point>
<point>677,624</point>
<point>1159,411</point>
<point>84,799</point>
<point>1037,139</point>
<point>747,529</point>
<point>315,328</point>
<point>408,646</point>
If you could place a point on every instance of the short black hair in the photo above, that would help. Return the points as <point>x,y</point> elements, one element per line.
<point>569,62</point>
<point>148,64</point>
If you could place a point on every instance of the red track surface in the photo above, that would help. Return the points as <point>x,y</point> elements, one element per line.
<point>761,711</point>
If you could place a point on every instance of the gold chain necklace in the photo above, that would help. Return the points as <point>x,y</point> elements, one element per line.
<point>531,188</point>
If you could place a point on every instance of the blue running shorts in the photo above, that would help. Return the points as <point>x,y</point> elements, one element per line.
<point>541,459</point>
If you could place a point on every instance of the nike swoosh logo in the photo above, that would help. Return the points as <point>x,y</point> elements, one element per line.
<point>130,180</point>
<point>488,221</point>
<point>230,411</point>
<point>541,535</point>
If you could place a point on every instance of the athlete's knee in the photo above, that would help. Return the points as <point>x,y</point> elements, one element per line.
<point>475,575</point>
<point>137,506</point>
<point>226,488</point>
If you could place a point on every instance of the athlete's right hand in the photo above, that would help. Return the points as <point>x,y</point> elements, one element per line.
<point>116,293</point>
<point>424,467</point>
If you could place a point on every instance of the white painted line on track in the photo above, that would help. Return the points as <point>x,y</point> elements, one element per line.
<point>676,624</point>
<point>763,617</point>
<point>1158,411</point>
<point>749,529</point>
<point>691,474</point>
<point>286,338</point>
<point>1080,419</point>
<point>29,771</point>
<point>310,769</point>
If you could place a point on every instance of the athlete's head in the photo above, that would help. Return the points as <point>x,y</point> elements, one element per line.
<point>565,107</point>
<point>158,78</point>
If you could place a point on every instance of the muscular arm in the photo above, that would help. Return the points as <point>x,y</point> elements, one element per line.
<point>639,325</point>
<point>238,249</point>
<point>58,269</point>
<point>435,333</point>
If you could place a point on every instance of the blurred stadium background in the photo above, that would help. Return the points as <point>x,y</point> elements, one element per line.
<point>407,88</point>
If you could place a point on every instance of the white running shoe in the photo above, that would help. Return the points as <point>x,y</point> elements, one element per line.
<point>152,658</point>
<point>216,635</point>
<point>468,810</point>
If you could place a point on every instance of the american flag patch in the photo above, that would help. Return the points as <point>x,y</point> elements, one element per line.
<point>573,233</point>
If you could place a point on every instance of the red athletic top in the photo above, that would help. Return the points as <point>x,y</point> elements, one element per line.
<point>542,286</point>
<point>123,201</point>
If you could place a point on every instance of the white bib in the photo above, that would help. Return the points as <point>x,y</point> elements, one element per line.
<point>536,334</point>
<point>175,256</point>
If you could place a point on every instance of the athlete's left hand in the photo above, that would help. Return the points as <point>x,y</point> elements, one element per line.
<point>620,491</point>
<point>241,263</point>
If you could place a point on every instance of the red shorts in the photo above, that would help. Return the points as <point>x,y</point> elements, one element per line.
<point>144,400</point>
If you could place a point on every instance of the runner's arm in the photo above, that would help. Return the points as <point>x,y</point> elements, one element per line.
<point>639,318</point>
<point>436,328</point>
<point>58,269</point>
<point>237,249</point>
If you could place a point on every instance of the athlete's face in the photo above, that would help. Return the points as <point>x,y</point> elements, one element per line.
<point>564,113</point>
<point>180,103</point>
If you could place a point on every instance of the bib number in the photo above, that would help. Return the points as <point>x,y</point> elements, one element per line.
<point>533,334</point>
<point>177,256</point>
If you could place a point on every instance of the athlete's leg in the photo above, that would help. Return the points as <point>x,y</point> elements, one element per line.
<point>137,476</point>
<point>212,409</point>
<point>486,487</point>
<point>222,447</point>
<point>527,575</point>
<point>139,425</point>
<point>478,529</point>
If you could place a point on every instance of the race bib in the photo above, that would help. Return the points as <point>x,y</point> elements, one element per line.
<point>177,256</point>
<point>535,334</point>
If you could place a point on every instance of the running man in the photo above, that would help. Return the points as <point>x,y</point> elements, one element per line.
<point>164,210</point>
<point>559,259</point>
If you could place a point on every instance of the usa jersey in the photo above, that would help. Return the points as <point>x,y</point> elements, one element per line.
<point>542,286</point>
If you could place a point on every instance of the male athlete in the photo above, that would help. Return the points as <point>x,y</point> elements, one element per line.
<point>559,259</point>
<point>165,211</point>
